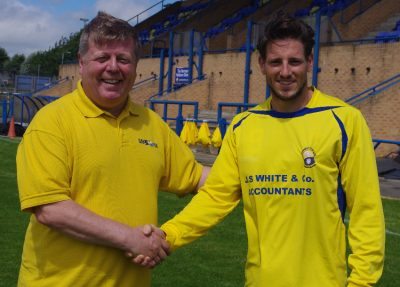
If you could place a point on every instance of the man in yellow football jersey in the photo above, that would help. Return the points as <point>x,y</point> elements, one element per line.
<point>298,161</point>
<point>89,169</point>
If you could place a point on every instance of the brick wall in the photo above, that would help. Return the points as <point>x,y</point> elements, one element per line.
<point>70,71</point>
<point>347,70</point>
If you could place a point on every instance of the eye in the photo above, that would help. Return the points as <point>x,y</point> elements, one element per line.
<point>124,60</point>
<point>274,63</point>
<point>101,59</point>
<point>295,62</point>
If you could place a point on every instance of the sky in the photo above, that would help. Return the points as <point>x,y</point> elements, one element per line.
<point>28,26</point>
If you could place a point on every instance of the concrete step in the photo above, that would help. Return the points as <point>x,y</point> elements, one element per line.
<point>205,155</point>
<point>211,115</point>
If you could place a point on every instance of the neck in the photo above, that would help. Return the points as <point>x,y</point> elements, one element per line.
<point>115,111</point>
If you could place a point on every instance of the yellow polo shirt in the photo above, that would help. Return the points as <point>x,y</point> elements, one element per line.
<point>113,166</point>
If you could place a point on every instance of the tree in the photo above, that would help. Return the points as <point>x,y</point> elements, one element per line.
<point>3,58</point>
<point>13,66</point>
<point>64,50</point>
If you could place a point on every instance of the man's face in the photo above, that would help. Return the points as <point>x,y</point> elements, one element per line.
<point>286,68</point>
<point>108,73</point>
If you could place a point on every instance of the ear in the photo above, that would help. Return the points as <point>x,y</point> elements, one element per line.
<point>80,60</point>
<point>261,63</point>
<point>310,62</point>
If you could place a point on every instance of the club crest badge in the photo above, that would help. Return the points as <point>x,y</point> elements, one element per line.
<point>308,157</point>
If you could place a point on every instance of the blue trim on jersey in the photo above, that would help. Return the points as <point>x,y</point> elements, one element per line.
<point>300,113</point>
<point>239,122</point>
<point>344,135</point>
<point>341,198</point>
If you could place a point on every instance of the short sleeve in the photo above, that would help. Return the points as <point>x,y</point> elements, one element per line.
<point>182,171</point>
<point>42,168</point>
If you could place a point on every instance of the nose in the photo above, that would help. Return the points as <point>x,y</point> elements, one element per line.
<point>112,65</point>
<point>285,70</point>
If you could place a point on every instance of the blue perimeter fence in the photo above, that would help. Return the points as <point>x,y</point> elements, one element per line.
<point>22,107</point>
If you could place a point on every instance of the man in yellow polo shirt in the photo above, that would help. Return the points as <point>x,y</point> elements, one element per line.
<point>89,169</point>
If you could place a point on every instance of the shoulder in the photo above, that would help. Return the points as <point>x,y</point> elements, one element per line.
<point>53,111</point>
<point>239,118</point>
<point>339,106</point>
<point>351,118</point>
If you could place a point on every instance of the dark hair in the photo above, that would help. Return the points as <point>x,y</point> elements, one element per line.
<point>284,26</point>
<point>104,28</point>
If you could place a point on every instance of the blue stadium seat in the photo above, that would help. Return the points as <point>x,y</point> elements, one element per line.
<point>386,37</point>
<point>397,27</point>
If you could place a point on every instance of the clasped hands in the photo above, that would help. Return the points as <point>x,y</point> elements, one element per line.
<point>151,247</point>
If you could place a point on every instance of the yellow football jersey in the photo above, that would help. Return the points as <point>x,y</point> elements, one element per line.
<point>296,173</point>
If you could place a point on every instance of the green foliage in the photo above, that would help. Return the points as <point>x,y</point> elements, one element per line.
<point>13,66</point>
<point>3,58</point>
<point>46,63</point>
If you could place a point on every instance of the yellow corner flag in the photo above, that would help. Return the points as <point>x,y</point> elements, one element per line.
<point>184,132</point>
<point>216,139</point>
<point>204,134</point>
<point>192,133</point>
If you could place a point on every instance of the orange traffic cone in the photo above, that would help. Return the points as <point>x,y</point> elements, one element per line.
<point>11,129</point>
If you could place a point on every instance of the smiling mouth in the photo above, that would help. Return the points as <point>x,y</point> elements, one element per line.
<point>285,83</point>
<point>112,82</point>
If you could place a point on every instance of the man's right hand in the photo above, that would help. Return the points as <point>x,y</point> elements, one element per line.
<point>150,246</point>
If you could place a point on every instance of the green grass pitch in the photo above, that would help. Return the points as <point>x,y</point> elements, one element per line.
<point>217,259</point>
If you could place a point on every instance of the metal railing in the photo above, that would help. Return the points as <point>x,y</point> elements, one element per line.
<point>144,11</point>
<point>150,79</point>
<point>179,118</point>
<point>51,84</point>
<point>377,142</point>
<point>373,91</point>
<point>22,107</point>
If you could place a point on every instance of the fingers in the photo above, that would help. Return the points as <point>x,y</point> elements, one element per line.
<point>158,231</point>
<point>164,251</point>
<point>138,259</point>
<point>163,254</point>
<point>148,229</point>
<point>149,263</point>
<point>150,248</point>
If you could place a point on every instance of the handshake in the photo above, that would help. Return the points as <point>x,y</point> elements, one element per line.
<point>147,246</point>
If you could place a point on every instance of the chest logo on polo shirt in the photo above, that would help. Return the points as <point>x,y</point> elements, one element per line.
<point>308,157</point>
<point>148,142</point>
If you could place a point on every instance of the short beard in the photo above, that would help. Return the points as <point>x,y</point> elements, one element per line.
<point>300,91</point>
<point>296,95</point>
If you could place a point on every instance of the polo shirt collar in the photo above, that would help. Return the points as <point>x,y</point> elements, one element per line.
<point>90,110</point>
